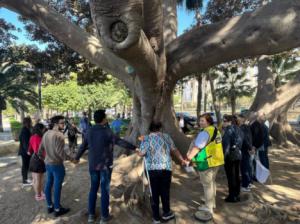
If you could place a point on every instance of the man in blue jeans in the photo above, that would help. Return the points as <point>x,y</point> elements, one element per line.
<point>100,141</point>
<point>53,143</point>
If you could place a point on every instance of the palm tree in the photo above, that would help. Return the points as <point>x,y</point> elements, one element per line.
<point>16,88</point>
<point>233,84</point>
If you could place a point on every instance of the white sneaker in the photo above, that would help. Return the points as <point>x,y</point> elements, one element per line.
<point>204,208</point>
<point>26,184</point>
<point>245,189</point>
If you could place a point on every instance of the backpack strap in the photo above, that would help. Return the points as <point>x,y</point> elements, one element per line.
<point>214,135</point>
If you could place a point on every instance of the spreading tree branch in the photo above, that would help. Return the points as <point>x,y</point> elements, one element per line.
<point>271,29</point>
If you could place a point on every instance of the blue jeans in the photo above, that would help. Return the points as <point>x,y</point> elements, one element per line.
<point>102,177</point>
<point>55,175</point>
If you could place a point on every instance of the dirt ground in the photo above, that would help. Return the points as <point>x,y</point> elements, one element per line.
<point>276,202</point>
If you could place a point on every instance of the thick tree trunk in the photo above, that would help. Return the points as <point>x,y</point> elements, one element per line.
<point>181,97</point>
<point>275,103</point>
<point>214,100</point>
<point>233,104</point>
<point>281,130</point>
<point>266,91</point>
<point>22,115</point>
<point>205,95</point>
<point>199,97</point>
<point>1,121</point>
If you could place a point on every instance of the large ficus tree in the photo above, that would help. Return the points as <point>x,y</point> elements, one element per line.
<point>136,41</point>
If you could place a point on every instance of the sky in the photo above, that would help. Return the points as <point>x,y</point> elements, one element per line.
<point>185,20</point>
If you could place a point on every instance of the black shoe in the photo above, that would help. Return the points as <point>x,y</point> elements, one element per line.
<point>105,220</point>
<point>168,216</point>
<point>61,211</point>
<point>50,210</point>
<point>231,199</point>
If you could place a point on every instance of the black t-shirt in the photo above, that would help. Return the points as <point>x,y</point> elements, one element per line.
<point>257,131</point>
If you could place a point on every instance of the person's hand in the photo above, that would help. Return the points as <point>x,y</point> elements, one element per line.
<point>185,162</point>
<point>28,153</point>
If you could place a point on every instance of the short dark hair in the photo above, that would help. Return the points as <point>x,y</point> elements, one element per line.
<point>56,119</point>
<point>235,120</point>
<point>99,116</point>
<point>228,117</point>
<point>84,113</point>
<point>208,118</point>
<point>38,129</point>
<point>27,122</point>
<point>155,126</point>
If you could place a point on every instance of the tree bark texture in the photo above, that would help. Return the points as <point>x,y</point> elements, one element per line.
<point>214,100</point>
<point>199,96</point>
<point>1,121</point>
<point>270,29</point>
<point>275,103</point>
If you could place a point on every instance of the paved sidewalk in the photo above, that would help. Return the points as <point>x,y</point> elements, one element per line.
<point>6,161</point>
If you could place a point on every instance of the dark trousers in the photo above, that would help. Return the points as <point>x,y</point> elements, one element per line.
<point>246,170</point>
<point>100,178</point>
<point>160,181</point>
<point>232,169</point>
<point>263,157</point>
<point>72,142</point>
<point>25,167</point>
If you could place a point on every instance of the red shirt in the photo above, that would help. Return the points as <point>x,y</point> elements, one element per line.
<point>34,144</point>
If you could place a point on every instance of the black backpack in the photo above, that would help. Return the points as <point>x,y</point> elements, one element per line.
<point>236,142</point>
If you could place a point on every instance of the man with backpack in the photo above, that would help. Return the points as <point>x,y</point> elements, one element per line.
<point>232,142</point>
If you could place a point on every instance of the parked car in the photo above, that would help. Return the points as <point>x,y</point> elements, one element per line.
<point>190,120</point>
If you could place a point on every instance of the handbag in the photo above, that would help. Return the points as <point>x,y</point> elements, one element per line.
<point>36,164</point>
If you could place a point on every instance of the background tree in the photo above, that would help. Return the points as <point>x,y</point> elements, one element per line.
<point>69,96</point>
<point>212,76</point>
<point>277,90</point>
<point>16,87</point>
<point>233,84</point>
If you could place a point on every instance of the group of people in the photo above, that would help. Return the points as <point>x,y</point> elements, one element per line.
<point>232,147</point>
<point>243,143</point>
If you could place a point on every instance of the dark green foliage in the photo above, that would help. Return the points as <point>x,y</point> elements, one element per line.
<point>218,10</point>
<point>191,4</point>
<point>16,81</point>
